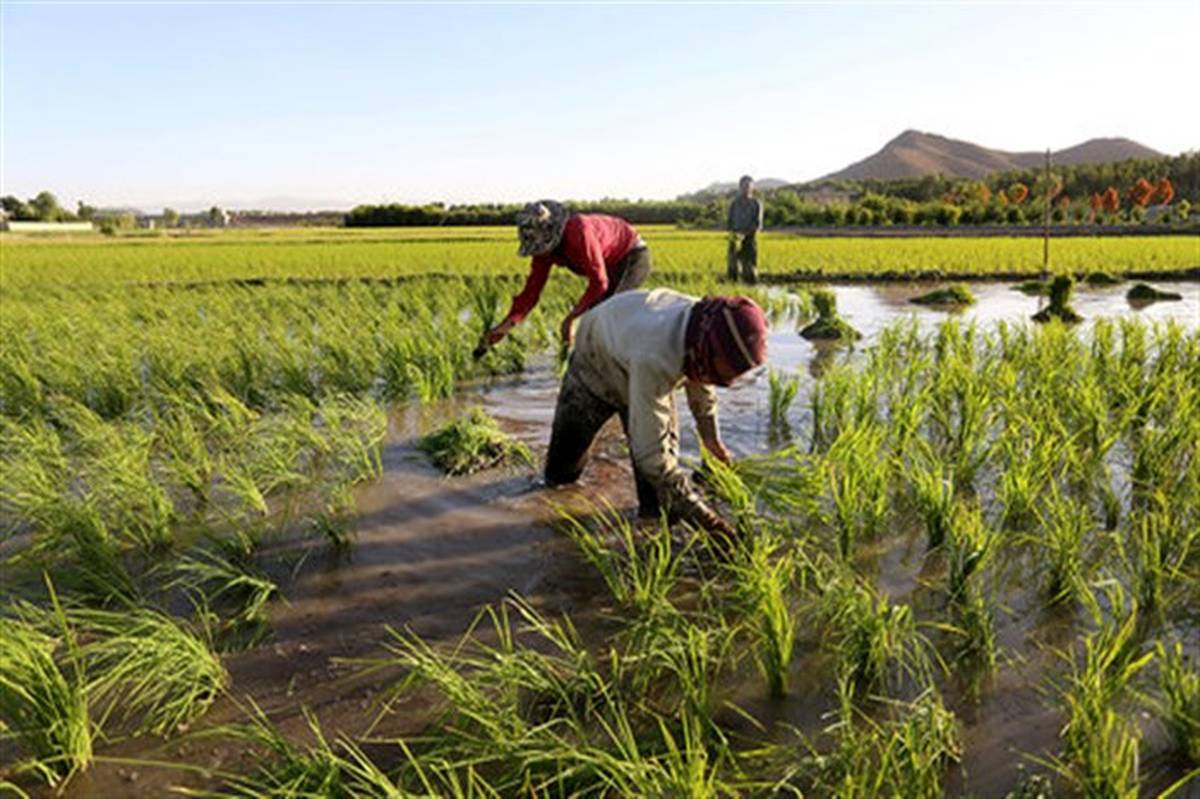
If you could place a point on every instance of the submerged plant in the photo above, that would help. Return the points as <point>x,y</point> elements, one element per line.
<point>472,443</point>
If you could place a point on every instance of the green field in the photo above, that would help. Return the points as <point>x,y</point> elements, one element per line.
<point>960,520</point>
<point>382,253</point>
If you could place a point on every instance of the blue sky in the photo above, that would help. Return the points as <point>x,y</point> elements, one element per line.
<point>333,104</point>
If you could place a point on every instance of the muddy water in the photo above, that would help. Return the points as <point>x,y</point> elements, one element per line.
<point>430,551</point>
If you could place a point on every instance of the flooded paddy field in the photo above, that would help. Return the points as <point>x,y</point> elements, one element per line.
<point>893,672</point>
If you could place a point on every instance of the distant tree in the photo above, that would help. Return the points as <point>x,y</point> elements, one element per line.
<point>1017,192</point>
<point>170,217</point>
<point>1111,200</point>
<point>1141,193</point>
<point>216,217</point>
<point>15,208</point>
<point>85,212</point>
<point>45,207</point>
<point>1164,192</point>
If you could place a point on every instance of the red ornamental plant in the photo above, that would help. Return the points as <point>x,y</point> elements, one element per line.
<point>1164,192</point>
<point>1141,192</point>
<point>1111,200</point>
<point>1096,201</point>
<point>1017,192</point>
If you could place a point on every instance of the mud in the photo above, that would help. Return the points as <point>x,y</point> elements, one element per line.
<point>429,552</point>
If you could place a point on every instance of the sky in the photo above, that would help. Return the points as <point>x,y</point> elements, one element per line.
<point>325,105</point>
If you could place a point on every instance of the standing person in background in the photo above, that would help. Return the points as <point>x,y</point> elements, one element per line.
<point>745,220</point>
<point>605,249</point>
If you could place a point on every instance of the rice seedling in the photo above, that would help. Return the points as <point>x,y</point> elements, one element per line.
<point>763,582</point>
<point>970,545</point>
<point>43,696</point>
<point>640,571</point>
<point>472,443</point>
<point>859,486</point>
<point>1100,743</point>
<point>829,325</point>
<point>932,490</point>
<point>283,769</point>
<point>904,755</point>
<point>1156,550</point>
<point>1179,699</point>
<point>144,667</point>
<point>228,581</point>
<point>781,392</point>
<point>1065,526</point>
<point>878,644</point>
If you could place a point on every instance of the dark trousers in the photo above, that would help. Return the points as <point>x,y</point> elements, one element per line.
<point>629,274</point>
<point>578,417</point>
<point>746,255</point>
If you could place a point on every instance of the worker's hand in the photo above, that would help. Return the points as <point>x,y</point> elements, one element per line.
<point>494,336</point>
<point>566,332</point>
<point>717,449</point>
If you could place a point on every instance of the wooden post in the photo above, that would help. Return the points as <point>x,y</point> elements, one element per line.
<point>1046,223</point>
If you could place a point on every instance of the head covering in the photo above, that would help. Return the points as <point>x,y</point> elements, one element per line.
<point>540,227</point>
<point>733,327</point>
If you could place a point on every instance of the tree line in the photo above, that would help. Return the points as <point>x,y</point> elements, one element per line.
<point>1133,191</point>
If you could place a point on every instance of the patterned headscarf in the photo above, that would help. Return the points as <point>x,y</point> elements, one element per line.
<point>540,227</point>
<point>731,326</point>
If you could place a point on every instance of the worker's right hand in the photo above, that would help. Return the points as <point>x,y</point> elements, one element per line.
<point>496,334</point>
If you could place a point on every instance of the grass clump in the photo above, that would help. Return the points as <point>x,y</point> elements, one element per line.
<point>1144,292</point>
<point>828,326</point>
<point>956,294</point>
<point>473,443</point>
<point>1102,279</point>
<point>1060,303</point>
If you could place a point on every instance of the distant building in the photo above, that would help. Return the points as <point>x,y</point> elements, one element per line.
<point>48,227</point>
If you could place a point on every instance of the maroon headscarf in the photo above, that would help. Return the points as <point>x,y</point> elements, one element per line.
<point>731,326</point>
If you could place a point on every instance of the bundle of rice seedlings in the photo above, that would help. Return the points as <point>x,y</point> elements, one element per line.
<point>472,443</point>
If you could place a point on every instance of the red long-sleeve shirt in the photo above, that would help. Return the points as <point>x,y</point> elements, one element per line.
<point>592,245</point>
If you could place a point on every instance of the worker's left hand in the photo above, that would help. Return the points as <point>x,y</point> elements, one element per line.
<point>566,331</point>
<point>718,450</point>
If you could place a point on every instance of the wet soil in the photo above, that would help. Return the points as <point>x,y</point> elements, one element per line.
<point>429,552</point>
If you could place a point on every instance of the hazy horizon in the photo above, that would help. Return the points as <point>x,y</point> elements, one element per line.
<point>327,106</point>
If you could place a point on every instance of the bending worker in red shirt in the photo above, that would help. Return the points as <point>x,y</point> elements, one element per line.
<point>604,249</point>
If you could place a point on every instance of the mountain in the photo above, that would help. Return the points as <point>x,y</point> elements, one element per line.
<point>726,187</point>
<point>913,154</point>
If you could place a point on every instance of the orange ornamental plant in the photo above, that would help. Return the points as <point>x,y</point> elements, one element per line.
<point>1112,200</point>
<point>1096,201</point>
<point>1017,192</point>
<point>1141,192</point>
<point>1164,192</point>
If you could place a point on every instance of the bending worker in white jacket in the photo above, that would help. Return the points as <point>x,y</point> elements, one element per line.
<point>631,353</point>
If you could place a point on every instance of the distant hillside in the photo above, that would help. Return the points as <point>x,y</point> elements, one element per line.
<point>914,154</point>
<point>718,188</point>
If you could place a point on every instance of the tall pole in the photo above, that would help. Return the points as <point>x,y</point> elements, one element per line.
<point>1046,223</point>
